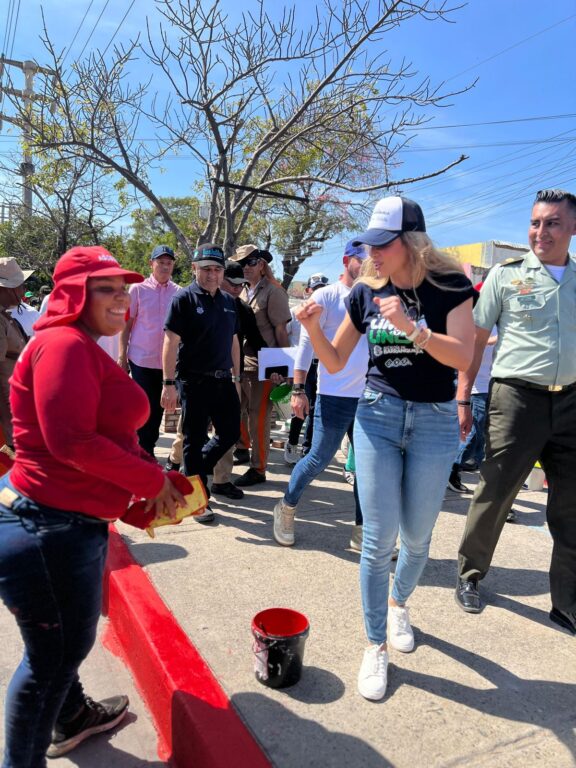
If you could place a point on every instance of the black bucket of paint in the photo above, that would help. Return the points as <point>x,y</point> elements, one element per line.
<point>279,639</point>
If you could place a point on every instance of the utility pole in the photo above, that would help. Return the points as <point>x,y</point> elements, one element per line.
<point>30,68</point>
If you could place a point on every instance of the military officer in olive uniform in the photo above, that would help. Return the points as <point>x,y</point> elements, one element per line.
<point>532,402</point>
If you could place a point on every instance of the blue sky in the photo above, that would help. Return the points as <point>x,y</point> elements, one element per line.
<point>517,125</point>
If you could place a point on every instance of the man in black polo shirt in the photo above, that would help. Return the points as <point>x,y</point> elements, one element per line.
<point>201,363</point>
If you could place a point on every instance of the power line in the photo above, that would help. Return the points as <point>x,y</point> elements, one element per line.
<point>118,27</point>
<point>87,11</point>
<point>490,122</point>
<point>9,12</point>
<point>14,30</point>
<point>93,29</point>
<point>510,47</point>
<point>458,147</point>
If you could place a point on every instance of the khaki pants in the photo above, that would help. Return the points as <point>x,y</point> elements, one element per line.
<point>223,470</point>
<point>257,407</point>
<point>176,450</point>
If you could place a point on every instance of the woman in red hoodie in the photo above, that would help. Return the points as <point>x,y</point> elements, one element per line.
<point>78,463</point>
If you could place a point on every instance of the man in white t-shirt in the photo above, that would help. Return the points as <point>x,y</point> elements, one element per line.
<point>336,401</point>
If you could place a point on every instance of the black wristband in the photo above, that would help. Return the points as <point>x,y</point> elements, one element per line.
<point>169,382</point>
<point>464,402</point>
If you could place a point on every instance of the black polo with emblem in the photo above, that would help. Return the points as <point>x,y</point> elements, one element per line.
<point>206,325</point>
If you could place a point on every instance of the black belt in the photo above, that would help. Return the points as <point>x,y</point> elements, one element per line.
<point>539,387</point>
<point>213,374</point>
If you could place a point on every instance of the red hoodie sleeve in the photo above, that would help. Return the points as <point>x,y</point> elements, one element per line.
<point>68,378</point>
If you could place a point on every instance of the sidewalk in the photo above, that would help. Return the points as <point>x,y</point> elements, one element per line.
<point>134,744</point>
<point>496,689</point>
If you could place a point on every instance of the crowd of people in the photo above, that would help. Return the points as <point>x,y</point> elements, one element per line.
<point>394,347</point>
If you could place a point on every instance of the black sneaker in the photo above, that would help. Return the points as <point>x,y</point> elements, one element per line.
<point>241,456</point>
<point>251,477</point>
<point>455,484</point>
<point>227,489</point>
<point>175,465</point>
<point>565,620</point>
<point>94,717</point>
<point>511,516</point>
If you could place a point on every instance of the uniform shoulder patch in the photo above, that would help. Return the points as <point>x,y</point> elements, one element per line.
<point>512,260</point>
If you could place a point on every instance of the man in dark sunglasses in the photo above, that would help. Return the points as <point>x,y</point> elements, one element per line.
<point>269,301</point>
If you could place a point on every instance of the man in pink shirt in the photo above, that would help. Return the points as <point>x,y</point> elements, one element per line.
<point>142,338</point>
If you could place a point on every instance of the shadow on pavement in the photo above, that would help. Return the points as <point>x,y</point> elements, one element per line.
<point>157,552</point>
<point>534,702</point>
<point>315,745</point>
<point>100,752</point>
<point>317,686</point>
<point>510,581</point>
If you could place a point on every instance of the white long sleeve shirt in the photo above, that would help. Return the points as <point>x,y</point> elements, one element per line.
<point>349,382</point>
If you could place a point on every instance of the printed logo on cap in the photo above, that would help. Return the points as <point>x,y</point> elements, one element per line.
<point>387,214</point>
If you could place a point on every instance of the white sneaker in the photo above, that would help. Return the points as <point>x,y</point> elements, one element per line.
<point>373,675</point>
<point>284,523</point>
<point>205,517</point>
<point>400,635</point>
<point>290,453</point>
<point>356,539</point>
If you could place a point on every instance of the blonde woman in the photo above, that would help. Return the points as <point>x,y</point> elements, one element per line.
<point>414,305</point>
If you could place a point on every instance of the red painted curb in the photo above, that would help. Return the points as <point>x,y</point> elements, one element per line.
<point>193,715</point>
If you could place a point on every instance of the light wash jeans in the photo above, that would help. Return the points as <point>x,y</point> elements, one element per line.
<point>404,452</point>
<point>333,418</point>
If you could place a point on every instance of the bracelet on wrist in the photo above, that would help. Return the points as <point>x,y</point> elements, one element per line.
<point>464,403</point>
<point>298,391</point>
<point>415,333</point>
<point>169,382</point>
<point>423,339</point>
<point>236,379</point>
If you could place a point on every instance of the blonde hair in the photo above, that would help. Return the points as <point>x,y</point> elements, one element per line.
<point>269,275</point>
<point>425,260</point>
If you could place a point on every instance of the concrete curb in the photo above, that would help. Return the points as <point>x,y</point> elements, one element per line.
<point>196,722</point>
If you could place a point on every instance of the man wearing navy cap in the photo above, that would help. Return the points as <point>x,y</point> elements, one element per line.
<point>140,343</point>
<point>201,357</point>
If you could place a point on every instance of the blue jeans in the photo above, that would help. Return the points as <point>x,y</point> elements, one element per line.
<point>404,452</point>
<point>472,449</point>
<point>333,418</point>
<point>51,569</point>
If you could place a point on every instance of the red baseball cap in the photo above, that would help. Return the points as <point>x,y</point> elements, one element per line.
<point>70,276</point>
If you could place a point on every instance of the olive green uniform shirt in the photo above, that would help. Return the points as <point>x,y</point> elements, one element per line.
<point>536,319</point>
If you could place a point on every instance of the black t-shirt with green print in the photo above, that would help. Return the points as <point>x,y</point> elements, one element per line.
<point>396,366</point>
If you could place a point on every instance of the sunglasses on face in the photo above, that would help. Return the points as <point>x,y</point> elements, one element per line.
<point>251,262</point>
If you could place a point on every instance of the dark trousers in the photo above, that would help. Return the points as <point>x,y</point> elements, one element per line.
<point>525,425</point>
<point>205,399</point>
<point>310,388</point>
<point>51,569</point>
<point>150,379</point>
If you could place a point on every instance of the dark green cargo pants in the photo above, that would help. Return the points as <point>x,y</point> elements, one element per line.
<point>525,425</point>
